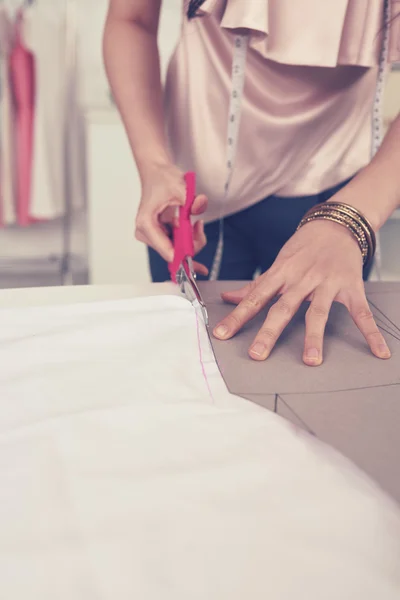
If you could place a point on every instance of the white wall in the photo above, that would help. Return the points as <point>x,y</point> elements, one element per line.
<point>91,18</point>
<point>46,239</point>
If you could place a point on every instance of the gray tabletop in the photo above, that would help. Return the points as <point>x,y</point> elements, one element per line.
<point>352,401</point>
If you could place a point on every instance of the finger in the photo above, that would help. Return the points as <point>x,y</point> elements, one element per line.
<point>316,319</point>
<point>236,296</point>
<point>199,205</point>
<point>279,316</point>
<point>364,319</point>
<point>169,215</point>
<point>200,269</point>
<point>153,234</point>
<point>168,230</point>
<point>251,304</point>
<point>199,237</point>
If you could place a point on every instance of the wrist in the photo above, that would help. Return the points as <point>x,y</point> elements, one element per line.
<point>347,217</point>
<point>355,198</point>
<point>371,194</point>
<point>148,165</point>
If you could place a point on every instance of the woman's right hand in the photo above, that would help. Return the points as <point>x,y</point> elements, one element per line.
<point>163,190</point>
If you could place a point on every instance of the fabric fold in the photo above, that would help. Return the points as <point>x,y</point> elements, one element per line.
<point>347,32</point>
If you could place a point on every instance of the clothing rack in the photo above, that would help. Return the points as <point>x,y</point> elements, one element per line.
<point>61,265</point>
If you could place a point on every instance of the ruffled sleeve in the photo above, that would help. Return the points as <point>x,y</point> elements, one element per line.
<point>311,32</point>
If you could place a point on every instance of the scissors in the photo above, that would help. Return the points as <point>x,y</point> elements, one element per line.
<point>181,268</point>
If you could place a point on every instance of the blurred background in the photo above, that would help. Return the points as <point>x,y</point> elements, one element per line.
<point>69,189</point>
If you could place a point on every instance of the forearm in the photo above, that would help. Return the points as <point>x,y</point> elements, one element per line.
<point>133,68</point>
<point>375,191</point>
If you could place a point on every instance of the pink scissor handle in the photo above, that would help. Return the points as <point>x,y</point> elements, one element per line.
<point>183,234</point>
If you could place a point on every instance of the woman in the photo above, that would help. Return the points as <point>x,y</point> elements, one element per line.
<point>309,71</point>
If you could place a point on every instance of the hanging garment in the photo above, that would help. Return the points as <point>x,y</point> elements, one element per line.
<point>128,471</point>
<point>22,68</point>
<point>58,163</point>
<point>8,190</point>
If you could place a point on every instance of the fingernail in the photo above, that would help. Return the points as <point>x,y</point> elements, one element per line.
<point>384,351</point>
<point>312,354</point>
<point>221,331</point>
<point>258,349</point>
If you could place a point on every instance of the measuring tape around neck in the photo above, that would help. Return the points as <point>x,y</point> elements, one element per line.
<point>377,112</point>
<point>241,43</point>
<point>235,108</point>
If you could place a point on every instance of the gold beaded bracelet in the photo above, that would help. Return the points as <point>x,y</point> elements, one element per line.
<point>348,217</point>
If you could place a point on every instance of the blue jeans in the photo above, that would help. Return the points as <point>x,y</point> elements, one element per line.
<point>252,237</point>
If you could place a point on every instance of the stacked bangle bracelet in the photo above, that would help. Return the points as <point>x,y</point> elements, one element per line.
<point>348,217</point>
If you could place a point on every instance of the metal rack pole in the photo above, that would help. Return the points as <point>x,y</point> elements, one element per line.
<point>71,32</point>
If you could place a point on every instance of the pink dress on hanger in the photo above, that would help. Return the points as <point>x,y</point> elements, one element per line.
<point>22,67</point>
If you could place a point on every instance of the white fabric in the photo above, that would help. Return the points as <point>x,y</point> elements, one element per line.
<point>128,472</point>
<point>58,170</point>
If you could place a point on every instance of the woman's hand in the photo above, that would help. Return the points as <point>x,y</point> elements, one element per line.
<point>163,191</point>
<point>322,263</point>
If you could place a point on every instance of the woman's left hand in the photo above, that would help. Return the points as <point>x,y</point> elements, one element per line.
<point>321,263</point>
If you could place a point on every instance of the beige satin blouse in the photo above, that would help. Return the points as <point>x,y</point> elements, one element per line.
<point>309,88</point>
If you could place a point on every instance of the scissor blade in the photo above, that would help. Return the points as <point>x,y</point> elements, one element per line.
<point>189,287</point>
